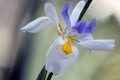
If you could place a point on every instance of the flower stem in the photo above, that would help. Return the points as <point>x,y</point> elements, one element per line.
<point>42,74</point>
<point>84,9</point>
<point>50,76</point>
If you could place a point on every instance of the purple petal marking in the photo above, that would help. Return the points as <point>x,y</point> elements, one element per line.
<point>83,28</point>
<point>90,27</point>
<point>65,14</point>
<point>79,27</point>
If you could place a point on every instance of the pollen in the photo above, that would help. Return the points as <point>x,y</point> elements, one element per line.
<point>67,47</point>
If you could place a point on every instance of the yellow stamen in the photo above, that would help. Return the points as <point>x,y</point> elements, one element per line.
<point>67,47</point>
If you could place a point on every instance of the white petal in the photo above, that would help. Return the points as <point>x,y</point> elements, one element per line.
<point>76,12</point>
<point>50,11</point>
<point>83,37</point>
<point>56,60</point>
<point>36,25</point>
<point>98,44</point>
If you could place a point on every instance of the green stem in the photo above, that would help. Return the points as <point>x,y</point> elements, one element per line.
<point>84,9</point>
<point>42,74</point>
<point>50,76</point>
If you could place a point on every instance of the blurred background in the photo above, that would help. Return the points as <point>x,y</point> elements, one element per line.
<point>22,55</point>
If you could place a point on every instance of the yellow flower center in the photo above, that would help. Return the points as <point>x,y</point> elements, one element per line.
<point>67,47</point>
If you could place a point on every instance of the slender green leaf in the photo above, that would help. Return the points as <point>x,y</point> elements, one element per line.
<point>42,74</point>
<point>84,9</point>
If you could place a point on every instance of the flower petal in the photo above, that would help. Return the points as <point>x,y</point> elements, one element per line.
<point>50,11</point>
<point>80,26</point>
<point>98,44</point>
<point>90,27</point>
<point>56,60</point>
<point>83,28</point>
<point>36,25</point>
<point>76,12</point>
<point>65,14</point>
<point>83,37</point>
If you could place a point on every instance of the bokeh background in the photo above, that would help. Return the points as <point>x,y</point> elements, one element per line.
<point>24,53</point>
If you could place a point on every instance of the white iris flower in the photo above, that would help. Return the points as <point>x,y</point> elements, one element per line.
<point>62,53</point>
